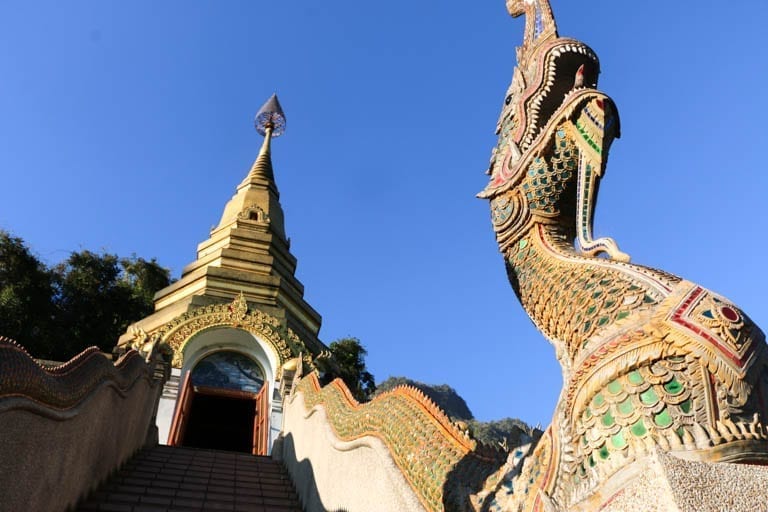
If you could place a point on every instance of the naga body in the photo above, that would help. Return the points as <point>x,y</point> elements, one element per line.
<point>650,361</point>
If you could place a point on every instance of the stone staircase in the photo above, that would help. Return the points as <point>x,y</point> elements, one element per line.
<point>167,478</point>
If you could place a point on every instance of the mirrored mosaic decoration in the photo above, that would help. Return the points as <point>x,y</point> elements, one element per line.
<point>651,362</point>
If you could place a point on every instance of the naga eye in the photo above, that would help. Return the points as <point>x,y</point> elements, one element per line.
<point>508,99</point>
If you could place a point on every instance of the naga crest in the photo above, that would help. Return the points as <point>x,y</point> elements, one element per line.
<point>550,69</point>
<point>555,77</point>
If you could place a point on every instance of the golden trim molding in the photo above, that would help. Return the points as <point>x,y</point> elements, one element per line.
<point>281,340</point>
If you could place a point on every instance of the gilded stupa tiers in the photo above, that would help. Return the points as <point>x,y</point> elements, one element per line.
<point>247,253</point>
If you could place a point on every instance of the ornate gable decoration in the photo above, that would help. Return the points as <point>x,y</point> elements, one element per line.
<point>283,342</point>
<point>254,212</point>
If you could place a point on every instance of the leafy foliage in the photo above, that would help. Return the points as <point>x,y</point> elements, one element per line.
<point>88,299</point>
<point>507,432</point>
<point>349,364</point>
<point>26,292</point>
<point>99,295</point>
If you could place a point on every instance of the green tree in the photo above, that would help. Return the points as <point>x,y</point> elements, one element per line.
<point>88,299</point>
<point>349,358</point>
<point>26,292</point>
<point>507,432</point>
<point>99,295</point>
<point>144,278</point>
<point>91,300</point>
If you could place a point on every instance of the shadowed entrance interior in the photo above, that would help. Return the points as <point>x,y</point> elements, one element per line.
<point>221,422</point>
<point>223,405</point>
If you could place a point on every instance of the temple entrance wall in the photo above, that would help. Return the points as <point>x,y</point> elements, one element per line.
<point>228,376</point>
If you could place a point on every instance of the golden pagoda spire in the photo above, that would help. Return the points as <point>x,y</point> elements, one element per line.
<point>258,190</point>
<point>270,122</point>
<point>246,258</point>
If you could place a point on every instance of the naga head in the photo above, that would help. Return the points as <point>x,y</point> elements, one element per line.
<point>549,69</point>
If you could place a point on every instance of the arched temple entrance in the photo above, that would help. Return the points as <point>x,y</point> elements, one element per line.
<point>190,338</point>
<point>223,405</point>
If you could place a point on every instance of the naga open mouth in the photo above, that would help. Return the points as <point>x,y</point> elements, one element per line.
<point>554,71</point>
<point>566,65</point>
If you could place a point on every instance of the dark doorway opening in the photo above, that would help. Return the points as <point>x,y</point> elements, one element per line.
<point>220,422</point>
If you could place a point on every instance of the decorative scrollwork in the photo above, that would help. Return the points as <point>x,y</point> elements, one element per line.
<point>282,341</point>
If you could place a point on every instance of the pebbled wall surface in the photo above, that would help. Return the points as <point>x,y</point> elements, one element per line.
<point>333,475</point>
<point>64,430</point>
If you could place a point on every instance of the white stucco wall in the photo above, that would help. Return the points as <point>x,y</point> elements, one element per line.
<point>330,474</point>
<point>167,405</point>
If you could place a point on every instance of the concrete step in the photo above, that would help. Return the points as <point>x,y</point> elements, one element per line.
<point>169,479</point>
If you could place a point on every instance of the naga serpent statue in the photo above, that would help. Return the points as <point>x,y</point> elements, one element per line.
<point>651,362</point>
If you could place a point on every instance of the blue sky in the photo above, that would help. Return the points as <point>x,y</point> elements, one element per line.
<point>125,126</point>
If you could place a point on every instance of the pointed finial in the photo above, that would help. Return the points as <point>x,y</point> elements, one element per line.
<point>270,118</point>
<point>270,122</point>
<point>539,22</point>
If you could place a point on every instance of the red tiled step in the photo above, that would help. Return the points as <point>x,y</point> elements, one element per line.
<point>169,479</point>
